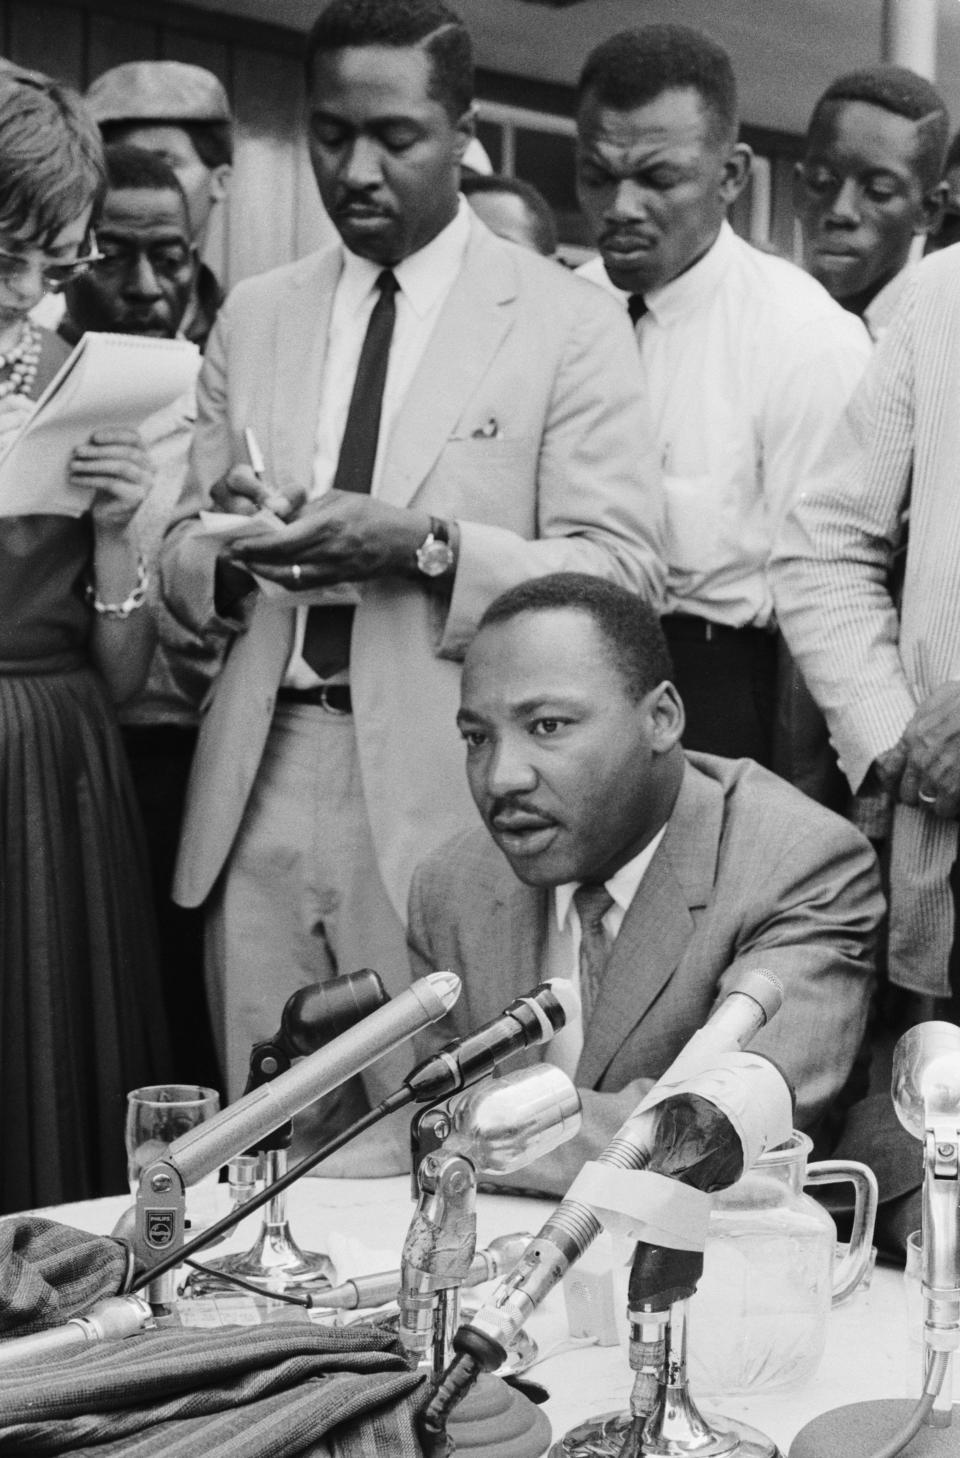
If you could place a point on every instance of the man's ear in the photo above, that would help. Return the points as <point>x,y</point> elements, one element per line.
<point>667,717</point>
<point>932,207</point>
<point>220,181</point>
<point>466,129</point>
<point>736,172</point>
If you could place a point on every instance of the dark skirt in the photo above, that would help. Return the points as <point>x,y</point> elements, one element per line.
<point>81,1016</point>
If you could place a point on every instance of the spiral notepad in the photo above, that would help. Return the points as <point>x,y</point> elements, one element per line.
<point>109,379</point>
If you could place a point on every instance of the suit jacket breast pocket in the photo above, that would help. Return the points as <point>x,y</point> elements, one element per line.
<point>490,480</point>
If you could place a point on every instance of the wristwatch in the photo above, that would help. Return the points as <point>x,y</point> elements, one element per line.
<point>435,555</point>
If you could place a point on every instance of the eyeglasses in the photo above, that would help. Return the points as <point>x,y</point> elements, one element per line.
<point>54,276</point>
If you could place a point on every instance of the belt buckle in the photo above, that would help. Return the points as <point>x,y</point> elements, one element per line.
<point>326,705</point>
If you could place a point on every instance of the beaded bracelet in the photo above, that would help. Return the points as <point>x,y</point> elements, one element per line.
<point>130,604</point>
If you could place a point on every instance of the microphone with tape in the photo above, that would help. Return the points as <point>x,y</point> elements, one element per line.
<point>481,1345</point>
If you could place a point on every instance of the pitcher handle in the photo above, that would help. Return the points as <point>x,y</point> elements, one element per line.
<point>850,1271</point>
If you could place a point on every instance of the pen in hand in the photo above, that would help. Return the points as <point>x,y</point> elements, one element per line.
<point>275,502</point>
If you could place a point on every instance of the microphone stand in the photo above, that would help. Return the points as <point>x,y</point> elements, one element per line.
<point>499,1127</point>
<point>310,1018</point>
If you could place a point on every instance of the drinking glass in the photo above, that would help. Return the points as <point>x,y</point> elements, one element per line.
<point>156,1116</point>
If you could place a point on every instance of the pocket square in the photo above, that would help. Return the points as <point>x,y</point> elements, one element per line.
<point>489,431</point>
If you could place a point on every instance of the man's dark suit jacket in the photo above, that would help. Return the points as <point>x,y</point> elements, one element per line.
<point>750,873</point>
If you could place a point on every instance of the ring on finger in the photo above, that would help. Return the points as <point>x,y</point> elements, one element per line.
<point>295,569</point>
<point>926,798</point>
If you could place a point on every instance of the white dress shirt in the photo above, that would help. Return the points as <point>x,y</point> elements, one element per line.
<point>425,279</point>
<point>563,942</point>
<point>748,364</point>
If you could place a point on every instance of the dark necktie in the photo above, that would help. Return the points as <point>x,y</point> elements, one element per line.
<point>326,638</point>
<point>636,307</point>
<point>592,902</point>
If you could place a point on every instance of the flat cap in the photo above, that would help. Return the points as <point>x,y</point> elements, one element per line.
<point>158,91</point>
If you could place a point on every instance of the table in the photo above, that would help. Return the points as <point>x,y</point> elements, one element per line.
<point>867,1356</point>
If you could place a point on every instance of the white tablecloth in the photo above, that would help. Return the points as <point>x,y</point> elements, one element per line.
<point>867,1354</point>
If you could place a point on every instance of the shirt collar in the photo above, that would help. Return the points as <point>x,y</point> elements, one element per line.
<point>690,289</point>
<point>424,277</point>
<point>622,885</point>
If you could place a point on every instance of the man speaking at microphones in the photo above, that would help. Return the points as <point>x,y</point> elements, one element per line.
<point>654,879</point>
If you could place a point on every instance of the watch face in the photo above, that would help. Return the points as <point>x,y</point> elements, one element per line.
<point>434,558</point>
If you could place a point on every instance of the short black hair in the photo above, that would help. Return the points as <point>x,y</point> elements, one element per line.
<point>903,92</point>
<point>430,23</point>
<point>212,141</point>
<point>634,67</point>
<point>543,223</point>
<point>134,167</point>
<point>629,626</point>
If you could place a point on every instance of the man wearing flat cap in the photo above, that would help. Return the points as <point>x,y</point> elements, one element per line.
<point>181,113</point>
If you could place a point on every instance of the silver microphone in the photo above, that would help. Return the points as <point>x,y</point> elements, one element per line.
<point>926,1096</point>
<point>155,1225</point>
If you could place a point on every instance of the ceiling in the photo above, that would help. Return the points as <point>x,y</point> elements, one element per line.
<point>785,51</point>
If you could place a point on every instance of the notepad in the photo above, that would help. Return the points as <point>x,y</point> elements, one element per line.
<point>109,379</point>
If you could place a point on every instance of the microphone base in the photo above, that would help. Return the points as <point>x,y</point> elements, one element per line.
<point>860,1429</point>
<point>497,1420</point>
<point>276,1262</point>
<point>606,1437</point>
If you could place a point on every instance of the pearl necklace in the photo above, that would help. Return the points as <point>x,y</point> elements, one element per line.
<point>21,361</point>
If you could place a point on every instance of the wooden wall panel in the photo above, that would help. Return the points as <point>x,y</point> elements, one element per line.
<point>49,38</point>
<point>111,40</point>
<point>179,45</point>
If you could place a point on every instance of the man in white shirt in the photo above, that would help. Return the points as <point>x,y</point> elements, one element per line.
<point>440,415</point>
<point>869,183</point>
<point>746,361</point>
<point>650,876</point>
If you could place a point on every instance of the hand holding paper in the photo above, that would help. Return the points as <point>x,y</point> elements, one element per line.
<point>109,381</point>
<point>115,465</point>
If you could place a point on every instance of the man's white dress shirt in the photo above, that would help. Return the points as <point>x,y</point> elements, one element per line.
<point>425,278</point>
<point>563,941</point>
<point>748,364</point>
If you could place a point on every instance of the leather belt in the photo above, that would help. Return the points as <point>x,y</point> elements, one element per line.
<point>701,630</point>
<point>334,697</point>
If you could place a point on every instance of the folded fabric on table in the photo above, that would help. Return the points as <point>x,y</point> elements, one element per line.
<point>50,1272</point>
<point>240,1392</point>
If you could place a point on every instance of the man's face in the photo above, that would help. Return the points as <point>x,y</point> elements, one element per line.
<point>859,196</point>
<point>566,769</point>
<point>385,154</point>
<point>654,184</point>
<point>202,185</point>
<point>144,281</point>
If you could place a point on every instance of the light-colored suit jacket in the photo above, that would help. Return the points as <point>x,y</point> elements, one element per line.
<point>868,666</point>
<point>750,873</point>
<point>524,422</point>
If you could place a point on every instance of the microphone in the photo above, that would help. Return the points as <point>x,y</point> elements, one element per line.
<point>362,1293</point>
<point>571,1229</point>
<point>157,1228</point>
<point>527,1022</point>
<point>324,1010</point>
<point>499,1127</point>
<point>110,1319</point>
<point>925,1086</point>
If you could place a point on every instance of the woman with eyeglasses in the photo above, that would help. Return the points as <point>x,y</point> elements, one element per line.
<point>81,1018</point>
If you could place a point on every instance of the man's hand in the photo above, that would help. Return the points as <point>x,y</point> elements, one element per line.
<point>342,536</point>
<point>242,493</point>
<point>115,463</point>
<point>931,741</point>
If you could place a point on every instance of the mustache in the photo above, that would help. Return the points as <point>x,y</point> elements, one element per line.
<point>348,197</point>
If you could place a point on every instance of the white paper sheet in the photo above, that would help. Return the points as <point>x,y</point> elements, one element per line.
<point>109,379</point>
